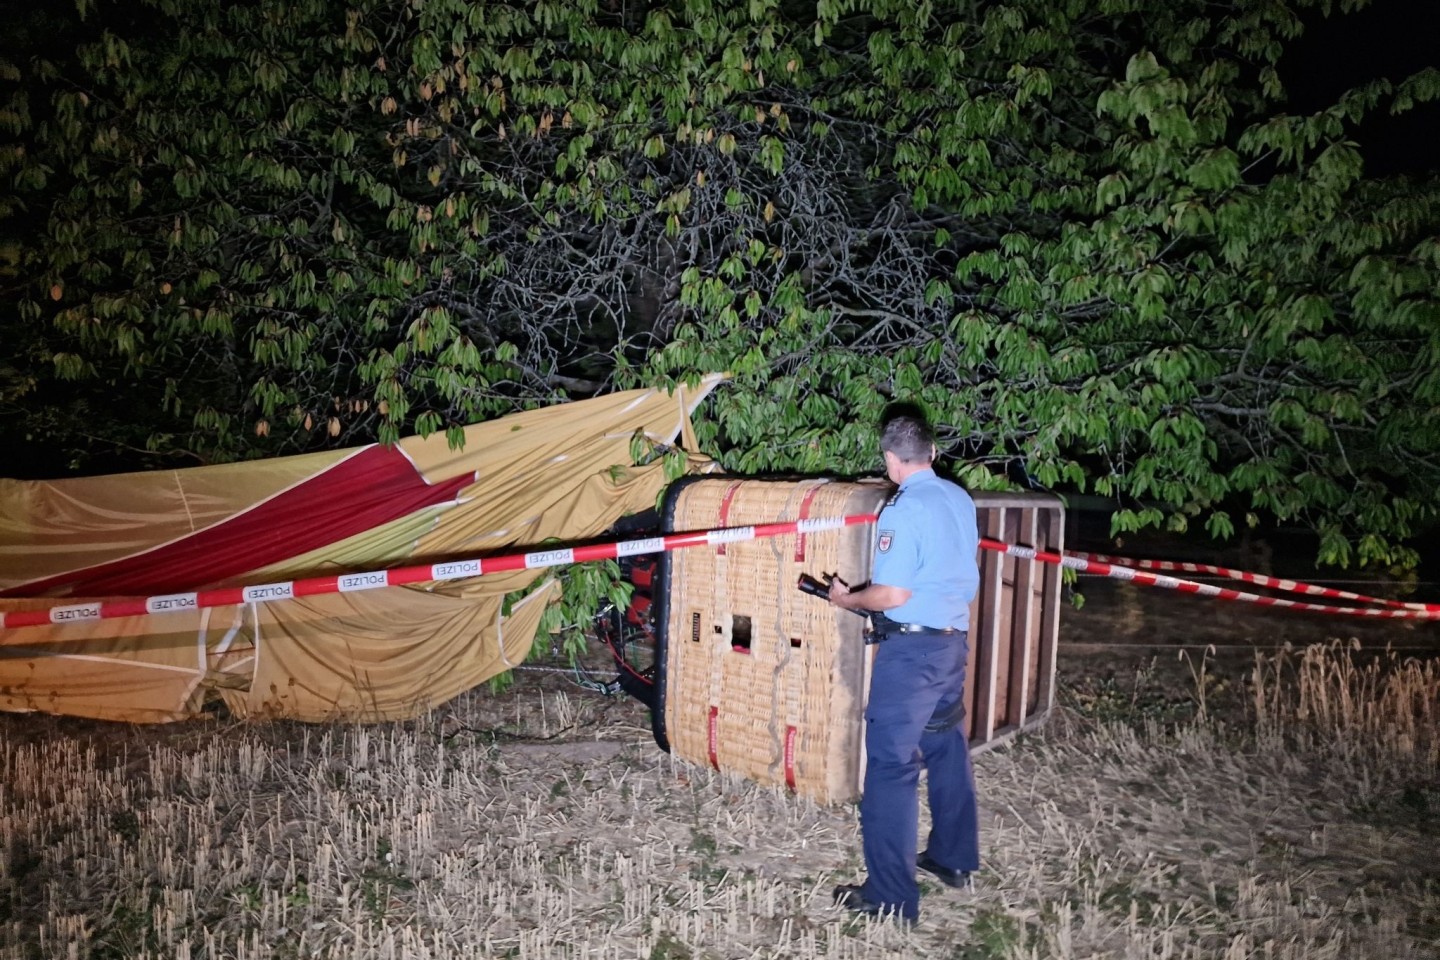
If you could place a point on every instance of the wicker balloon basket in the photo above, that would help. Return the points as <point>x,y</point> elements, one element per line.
<point>761,680</point>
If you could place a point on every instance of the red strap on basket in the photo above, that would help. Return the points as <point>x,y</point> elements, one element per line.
<point>712,738</point>
<point>804,515</point>
<point>790,734</point>
<point>725,512</point>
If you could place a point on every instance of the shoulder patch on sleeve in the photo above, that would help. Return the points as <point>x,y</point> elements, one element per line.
<point>886,538</point>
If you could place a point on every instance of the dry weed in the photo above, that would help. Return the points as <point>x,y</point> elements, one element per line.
<point>543,823</point>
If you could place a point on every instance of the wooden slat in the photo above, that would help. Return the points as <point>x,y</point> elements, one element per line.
<point>1054,532</point>
<point>1022,621</point>
<point>986,639</point>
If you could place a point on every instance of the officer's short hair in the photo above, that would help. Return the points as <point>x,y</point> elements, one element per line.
<point>908,438</point>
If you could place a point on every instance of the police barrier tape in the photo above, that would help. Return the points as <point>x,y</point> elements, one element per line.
<point>1259,579</point>
<point>420,573</point>
<point>477,567</point>
<point>1080,564</point>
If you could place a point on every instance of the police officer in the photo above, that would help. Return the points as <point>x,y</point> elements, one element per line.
<point>923,579</point>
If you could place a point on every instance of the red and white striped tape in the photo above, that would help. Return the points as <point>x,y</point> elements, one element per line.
<point>1117,572</point>
<point>1259,579</point>
<point>461,569</point>
<point>423,573</point>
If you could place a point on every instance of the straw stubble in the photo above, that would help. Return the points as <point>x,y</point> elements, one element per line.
<point>497,828</point>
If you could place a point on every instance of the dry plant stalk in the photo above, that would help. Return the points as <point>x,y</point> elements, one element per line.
<point>481,833</point>
<point>1353,700</point>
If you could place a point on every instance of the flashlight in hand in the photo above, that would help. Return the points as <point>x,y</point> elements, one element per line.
<point>814,587</point>
<point>821,589</point>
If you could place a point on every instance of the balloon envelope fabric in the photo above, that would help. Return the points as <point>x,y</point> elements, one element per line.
<point>561,472</point>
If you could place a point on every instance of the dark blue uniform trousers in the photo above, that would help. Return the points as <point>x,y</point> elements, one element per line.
<point>913,677</point>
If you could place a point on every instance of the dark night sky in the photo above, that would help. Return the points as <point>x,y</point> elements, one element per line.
<point>1391,38</point>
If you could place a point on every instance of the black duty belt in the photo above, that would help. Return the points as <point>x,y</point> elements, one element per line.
<point>882,627</point>
<point>920,630</point>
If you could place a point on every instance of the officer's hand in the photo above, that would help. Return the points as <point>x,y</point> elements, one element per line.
<point>839,590</point>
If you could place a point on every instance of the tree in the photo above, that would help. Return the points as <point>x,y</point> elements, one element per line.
<point>1081,236</point>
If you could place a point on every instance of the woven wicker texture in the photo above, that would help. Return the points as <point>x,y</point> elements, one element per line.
<point>768,683</point>
<point>763,680</point>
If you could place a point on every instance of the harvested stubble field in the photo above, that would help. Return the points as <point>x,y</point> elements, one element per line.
<point>1287,817</point>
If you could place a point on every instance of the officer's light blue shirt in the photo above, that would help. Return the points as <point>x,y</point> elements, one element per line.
<point>927,542</point>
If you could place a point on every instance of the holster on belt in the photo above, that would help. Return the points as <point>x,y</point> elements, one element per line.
<point>875,630</point>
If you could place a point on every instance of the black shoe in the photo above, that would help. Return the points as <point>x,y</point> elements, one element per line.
<point>851,897</point>
<point>951,878</point>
